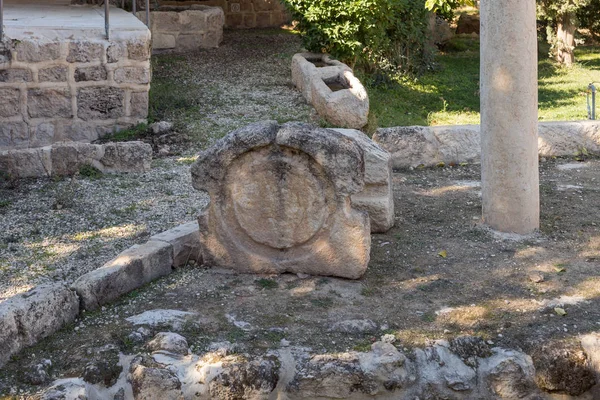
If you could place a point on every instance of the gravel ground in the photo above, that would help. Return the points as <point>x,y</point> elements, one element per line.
<point>60,229</point>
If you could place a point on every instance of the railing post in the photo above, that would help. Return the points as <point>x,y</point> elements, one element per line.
<point>133,6</point>
<point>1,20</point>
<point>107,18</point>
<point>148,13</point>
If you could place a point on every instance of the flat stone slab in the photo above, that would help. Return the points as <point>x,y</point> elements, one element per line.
<point>68,157</point>
<point>159,317</point>
<point>130,270</point>
<point>280,201</point>
<point>29,317</point>
<point>411,146</point>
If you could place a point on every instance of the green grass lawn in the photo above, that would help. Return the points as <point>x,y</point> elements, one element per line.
<point>449,94</point>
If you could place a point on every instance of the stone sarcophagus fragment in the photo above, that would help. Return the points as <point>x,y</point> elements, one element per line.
<point>281,201</point>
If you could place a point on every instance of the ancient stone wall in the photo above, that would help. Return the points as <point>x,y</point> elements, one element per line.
<point>180,30</point>
<point>71,90</point>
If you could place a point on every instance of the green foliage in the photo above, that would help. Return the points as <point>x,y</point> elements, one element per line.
<point>388,35</point>
<point>89,171</point>
<point>445,8</point>
<point>589,17</point>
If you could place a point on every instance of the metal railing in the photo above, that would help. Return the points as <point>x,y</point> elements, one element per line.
<point>591,95</point>
<point>106,16</point>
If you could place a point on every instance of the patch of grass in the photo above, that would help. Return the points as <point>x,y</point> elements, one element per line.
<point>186,160</point>
<point>89,171</point>
<point>265,283</point>
<point>322,302</point>
<point>126,135</point>
<point>449,94</point>
<point>5,203</point>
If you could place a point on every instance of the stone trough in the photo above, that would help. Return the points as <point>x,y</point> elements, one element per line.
<point>333,90</point>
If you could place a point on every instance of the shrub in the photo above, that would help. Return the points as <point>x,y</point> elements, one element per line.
<point>388,35</point>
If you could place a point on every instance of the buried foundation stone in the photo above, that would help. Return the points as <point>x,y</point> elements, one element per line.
<point>130,270</point>
<point>280,201</point>
<point>29,317</point>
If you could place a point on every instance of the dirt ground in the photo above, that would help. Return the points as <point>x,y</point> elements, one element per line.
<point>436,274</point>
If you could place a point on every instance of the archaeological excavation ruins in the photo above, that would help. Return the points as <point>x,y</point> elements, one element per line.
<point>288,258</point>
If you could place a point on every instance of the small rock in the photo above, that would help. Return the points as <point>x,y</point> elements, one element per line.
<point>39,373</point>
<point>159,128</point>
<point>120,395</point>
<point>536,277</point>
<point>222,348</point>
<point>388,338</point>
<point>169,341</point>
<point>135,337</point>
<point>103,371</point>
<point>302,275</point>
<point>284,343</point>
<point>354,326</point>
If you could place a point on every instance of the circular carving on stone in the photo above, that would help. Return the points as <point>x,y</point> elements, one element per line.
<point>276,198</point>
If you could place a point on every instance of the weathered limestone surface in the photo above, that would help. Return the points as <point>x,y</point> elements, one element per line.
<point>29,317</point>
<point>185,29</point>
<point>411,146</point>
<point>242,13</point>
<point>67,158</point>
<point>377,198</point>
<point>347,107</point>
<point>309,66</point>
<point>131,269</point>
<point>509,121</point>
<point>464,368</point>
<point>333,90</point>
<point>185,240</point>
<point>280,201</point>
<point>71,85</point>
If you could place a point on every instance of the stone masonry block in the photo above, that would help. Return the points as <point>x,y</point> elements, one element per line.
<point>49,103</point>
<point>85,51</point>
<point>192,21</point>
<point>95,73</point>
<point>185,240</point>
<point>137,75</point>
<point>26,163</point>
<point>115,52</point>
<point>139,105</point>
<point>130,270</point>
<point>126,157</point>
<point>68,157</point>
<point>29,317</point>
<point>162,41</point>
<point>10,102</point>
<point>15,75</point>
<point>35,51</point>
<point>42,134</point>
<point>14,135</point>
<point>100,103</point>
<point>139,50</point>
<point>53,74</point>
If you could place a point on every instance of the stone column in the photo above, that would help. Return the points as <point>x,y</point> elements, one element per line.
<point>509,148</point>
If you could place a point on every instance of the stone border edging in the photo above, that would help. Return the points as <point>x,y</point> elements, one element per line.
<point>27,318</point>
<point>68,157</point>
<point>412,146</point>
